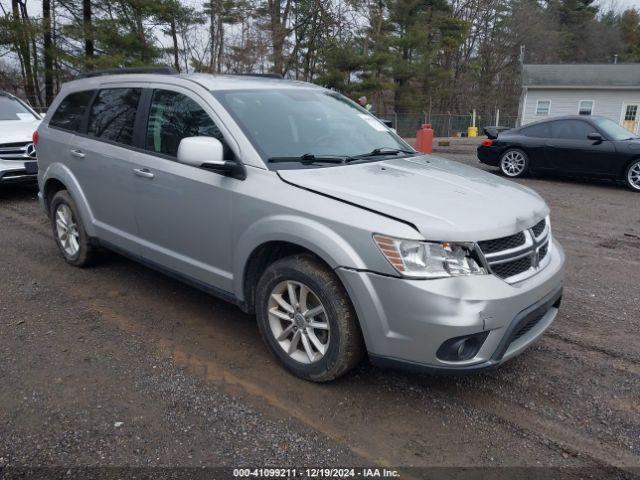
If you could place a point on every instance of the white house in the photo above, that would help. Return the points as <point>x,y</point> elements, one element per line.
<point>609,90</point>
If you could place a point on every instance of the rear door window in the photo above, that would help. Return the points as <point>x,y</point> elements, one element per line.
<point>571,129</point>
<point>540,130</point>
<point>174,116</point>
<point>71,110</point>
<point>113,115</point>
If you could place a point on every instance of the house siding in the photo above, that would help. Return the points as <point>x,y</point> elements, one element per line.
<point>607,103</point>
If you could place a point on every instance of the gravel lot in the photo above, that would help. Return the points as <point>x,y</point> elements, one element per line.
<point>119,365</point>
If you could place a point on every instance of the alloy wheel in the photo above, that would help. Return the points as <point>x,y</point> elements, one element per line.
<point>513,163</point>
<point>634,176</point>
<point>67,230</point>
<point>298,321</point>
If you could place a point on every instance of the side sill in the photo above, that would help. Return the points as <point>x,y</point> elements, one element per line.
<point>211,290</point>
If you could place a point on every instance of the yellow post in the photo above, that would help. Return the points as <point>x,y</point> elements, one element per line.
<point>472,131</point>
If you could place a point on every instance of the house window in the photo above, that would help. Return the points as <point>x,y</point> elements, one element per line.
<point>630,113</point>
<point>585,107</point>
<point>543,107</point>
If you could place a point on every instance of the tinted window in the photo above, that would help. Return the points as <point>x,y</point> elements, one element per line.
<point>12,109</point>
<point>113,114</point>
<point>540,130</point>
<point>174,116</point>
<point>571,129</point>
<point>612,130</point>
<point>71,110</point>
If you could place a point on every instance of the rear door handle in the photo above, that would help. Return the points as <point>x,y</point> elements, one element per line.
<point>550,145</point>
<point>143,172</point>
<point>77,153</point>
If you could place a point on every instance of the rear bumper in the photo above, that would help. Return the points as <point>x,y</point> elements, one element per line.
<point>405,322</point>
<point>488,155</point>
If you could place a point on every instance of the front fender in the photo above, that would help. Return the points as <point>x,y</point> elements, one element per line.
<point>310,234</point>
<point>61,173</point>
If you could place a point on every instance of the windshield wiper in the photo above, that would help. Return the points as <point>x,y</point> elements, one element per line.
<point>308,158</point>
<point>376,152</point>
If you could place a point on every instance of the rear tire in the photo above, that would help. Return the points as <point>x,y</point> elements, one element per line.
<point>329,342</point>
<point>514,163</point>
<point>69,232</point>
<point>632,176</point>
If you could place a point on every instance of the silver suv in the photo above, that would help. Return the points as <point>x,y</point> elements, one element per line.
<point>296,204</point>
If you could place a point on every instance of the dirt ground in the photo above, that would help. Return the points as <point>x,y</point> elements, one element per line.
<point>120,365</point>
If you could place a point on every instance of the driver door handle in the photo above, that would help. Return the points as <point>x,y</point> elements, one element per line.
<point>77,153</point>
<point>550,145</point>
<point>143,172</point>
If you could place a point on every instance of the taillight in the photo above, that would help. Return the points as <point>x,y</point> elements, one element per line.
<point>35,137</point>
<point>487,142</point>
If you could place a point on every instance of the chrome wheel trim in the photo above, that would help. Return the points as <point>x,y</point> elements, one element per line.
<point>634,176</point>
<point>298,322</point>
<point>67,230</point>
<point>513,163</point>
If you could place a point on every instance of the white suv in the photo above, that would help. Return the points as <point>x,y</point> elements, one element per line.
<point>18,121</point>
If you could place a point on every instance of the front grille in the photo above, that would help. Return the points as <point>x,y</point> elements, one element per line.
<point>511,269</point>
<point>17,151</point>
<point>543,251</point>
<point>504,243</point>
<point>538,228</point>
<point>517,256</point>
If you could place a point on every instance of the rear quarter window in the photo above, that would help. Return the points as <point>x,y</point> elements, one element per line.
<point>540,130</point>
<point>71,110</point>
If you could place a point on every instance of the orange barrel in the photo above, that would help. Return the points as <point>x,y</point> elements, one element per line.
<point>424,139</point>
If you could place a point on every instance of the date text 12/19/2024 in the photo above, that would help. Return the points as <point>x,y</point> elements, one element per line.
<point>315,473</point>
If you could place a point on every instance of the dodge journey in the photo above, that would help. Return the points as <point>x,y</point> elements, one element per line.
<point>298,205</point>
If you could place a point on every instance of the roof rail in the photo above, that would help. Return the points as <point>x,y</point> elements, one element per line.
<point>264,75</point>
<point>162,70</point>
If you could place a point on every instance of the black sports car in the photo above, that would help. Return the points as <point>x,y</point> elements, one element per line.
<point>576,145</point>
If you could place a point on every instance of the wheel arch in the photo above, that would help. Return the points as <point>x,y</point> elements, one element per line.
<point>627,164</point>
<point>58,177</point>
<point>271,239</point>
<point>625,168</point>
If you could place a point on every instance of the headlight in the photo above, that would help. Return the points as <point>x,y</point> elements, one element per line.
<point>413,258</point>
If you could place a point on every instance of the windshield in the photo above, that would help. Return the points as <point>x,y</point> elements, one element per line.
<point>12,109</point>
<point>612,130</point>
<point>297,122</point>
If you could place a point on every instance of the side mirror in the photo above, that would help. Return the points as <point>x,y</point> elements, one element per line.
<point>595,136</point>
<point>208,153</point>
<point>198,151</point>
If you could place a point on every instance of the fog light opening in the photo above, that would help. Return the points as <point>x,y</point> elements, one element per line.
<point>459,349</point>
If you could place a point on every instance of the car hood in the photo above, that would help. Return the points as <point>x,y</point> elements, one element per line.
<point>444,200</point>
<point>13,131</point>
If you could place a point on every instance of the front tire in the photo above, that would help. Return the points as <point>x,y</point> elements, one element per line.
<point>632,176</point>
<point>69,232</point>
<point>306,319</point>
<point>514,163</point>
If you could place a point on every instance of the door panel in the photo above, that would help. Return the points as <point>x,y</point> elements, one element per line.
<point>570,151</point>
<point>105,173</point>
<point>184,219</point>
<point>103,160</point>
<point>183,212</point>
